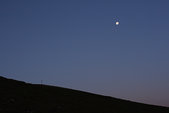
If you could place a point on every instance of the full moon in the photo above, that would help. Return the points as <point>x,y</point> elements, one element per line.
<point>117,23</point>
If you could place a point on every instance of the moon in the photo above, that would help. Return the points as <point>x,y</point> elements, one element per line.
<point>117,23</point>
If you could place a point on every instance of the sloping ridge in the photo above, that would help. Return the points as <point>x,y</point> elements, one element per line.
<point>21,97</point>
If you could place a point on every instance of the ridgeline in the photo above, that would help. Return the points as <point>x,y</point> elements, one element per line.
<point>21,97</point>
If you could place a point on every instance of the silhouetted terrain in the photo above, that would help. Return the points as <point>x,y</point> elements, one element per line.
<point>21,97</point>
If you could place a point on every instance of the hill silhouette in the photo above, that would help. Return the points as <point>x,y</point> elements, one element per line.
<point>21,97</point>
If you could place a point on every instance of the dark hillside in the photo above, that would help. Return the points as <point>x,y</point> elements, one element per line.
<point>21,97</point>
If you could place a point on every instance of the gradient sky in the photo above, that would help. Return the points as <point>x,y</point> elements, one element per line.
<point>73,44</point>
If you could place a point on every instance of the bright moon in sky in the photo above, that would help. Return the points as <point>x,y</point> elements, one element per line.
<point>117,23</point>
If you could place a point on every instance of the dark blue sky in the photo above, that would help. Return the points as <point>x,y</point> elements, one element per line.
<point>73,43</point>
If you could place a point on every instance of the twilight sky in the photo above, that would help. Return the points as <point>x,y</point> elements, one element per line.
<point>73,44</point>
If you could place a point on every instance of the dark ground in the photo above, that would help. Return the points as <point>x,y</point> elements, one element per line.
<point>21,97</point>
